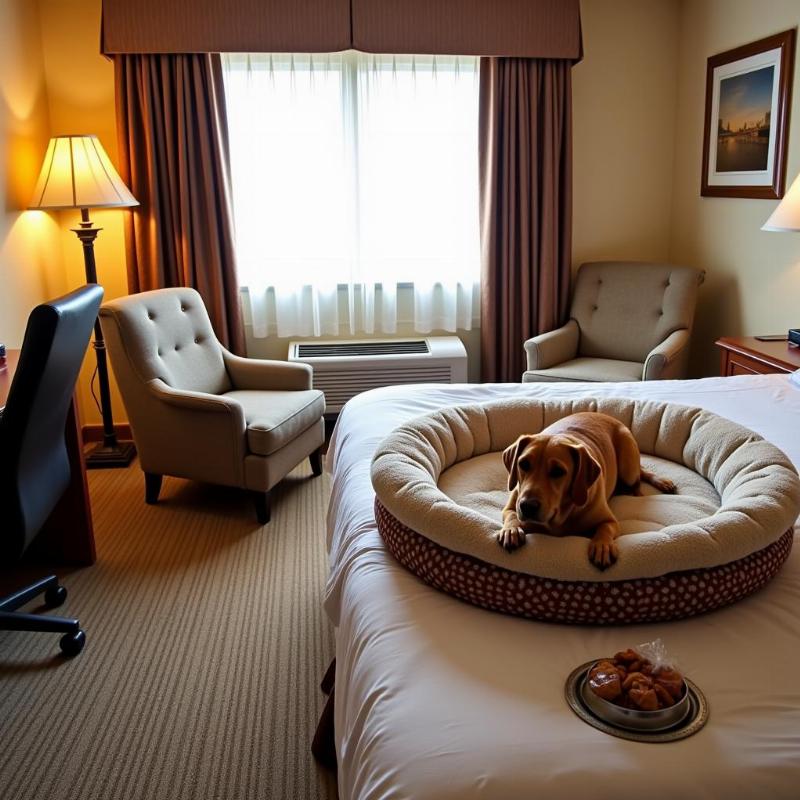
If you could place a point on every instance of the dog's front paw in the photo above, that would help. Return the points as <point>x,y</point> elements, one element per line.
<point>510,538</point>
<point>603,552</point>
<point>668,486</point>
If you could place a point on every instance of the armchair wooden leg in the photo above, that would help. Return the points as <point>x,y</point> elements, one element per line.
<point>261,500</point>
<point>152,487</point>
<point>316,461</point>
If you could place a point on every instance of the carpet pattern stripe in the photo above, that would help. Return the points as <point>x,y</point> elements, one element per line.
<point>206,641</point>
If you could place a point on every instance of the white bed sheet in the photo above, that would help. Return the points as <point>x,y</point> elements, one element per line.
<point>437,699</point>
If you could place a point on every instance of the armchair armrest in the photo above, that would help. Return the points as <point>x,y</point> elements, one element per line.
<point>263,374</point>
<point>198,401</point>
<point>668,359</point>
<point>554,347</point>
<point>195,434</point>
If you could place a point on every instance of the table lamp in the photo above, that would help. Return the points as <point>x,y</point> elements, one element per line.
<point>77,173</point>
<point>786,217</point>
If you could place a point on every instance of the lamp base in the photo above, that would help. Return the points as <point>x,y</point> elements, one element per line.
<point>103,457</point>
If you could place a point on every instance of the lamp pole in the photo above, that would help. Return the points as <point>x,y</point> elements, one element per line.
<point>77,173</point>
<point>112,453</point>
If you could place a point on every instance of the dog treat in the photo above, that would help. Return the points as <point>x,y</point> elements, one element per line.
<point>631,680</point>
<point>606,681</point>
<point>671,680</point>
<point>626,656</point>
<point>643,697</point>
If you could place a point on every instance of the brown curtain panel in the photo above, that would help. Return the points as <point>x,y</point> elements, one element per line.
<point>173,148</point>
<point>525,142</point>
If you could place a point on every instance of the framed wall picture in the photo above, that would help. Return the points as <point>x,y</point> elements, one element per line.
<point>748,95</point>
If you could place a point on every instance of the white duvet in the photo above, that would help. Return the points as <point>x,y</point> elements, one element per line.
<point>436,699</point>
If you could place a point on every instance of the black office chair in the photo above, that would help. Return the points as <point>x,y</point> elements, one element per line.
<point>34,465</point>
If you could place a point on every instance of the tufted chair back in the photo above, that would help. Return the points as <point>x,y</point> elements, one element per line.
<point>167,334</point>
<point>626,308</point>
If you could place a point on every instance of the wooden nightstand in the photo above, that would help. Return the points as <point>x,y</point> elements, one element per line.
<point>748,356</point>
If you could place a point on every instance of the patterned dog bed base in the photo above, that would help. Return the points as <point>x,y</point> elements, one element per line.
<point>669,597</point>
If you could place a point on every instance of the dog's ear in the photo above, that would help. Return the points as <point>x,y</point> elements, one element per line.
<point>587,471</point>
<point>510,456</point>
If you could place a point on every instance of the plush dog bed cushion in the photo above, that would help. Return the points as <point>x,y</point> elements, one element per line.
<point>441,477</point>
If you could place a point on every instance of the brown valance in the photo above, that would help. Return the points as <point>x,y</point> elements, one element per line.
<point>225,26</point>
<point>526,28</point>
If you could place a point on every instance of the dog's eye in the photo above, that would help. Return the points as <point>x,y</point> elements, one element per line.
<point>557,471</point>
<point>524,464</point>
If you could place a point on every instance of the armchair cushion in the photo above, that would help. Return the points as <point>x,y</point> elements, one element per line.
<point>588,369</point>
<point>275,418</point>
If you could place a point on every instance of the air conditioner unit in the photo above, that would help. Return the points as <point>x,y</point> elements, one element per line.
<point>345,368</point>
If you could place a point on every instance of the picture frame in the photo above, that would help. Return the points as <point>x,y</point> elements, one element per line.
<point>748,97</point>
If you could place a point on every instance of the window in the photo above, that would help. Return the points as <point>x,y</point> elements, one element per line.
<point>360,170</point>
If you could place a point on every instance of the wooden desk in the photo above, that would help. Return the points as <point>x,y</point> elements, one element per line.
<point>68,534</point>
<point>748,356</point>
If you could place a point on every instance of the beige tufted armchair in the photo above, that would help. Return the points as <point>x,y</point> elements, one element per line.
<point>629,321</point>
<point>200,412</point>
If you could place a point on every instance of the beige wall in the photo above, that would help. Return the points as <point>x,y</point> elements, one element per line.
<point>30,252</point>
<point>624,100</point>
<point>753,277</point>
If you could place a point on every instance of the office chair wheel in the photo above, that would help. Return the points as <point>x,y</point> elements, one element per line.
<point>72,643</point>
<point>55,596</point>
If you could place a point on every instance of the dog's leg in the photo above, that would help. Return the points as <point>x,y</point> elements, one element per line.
<point>511,536</point>
<point>662,484</point>
<point>603,550</point>
<point>629,464</point>
<point>629,468</point>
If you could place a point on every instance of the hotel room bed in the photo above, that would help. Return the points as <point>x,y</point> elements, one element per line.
<point>437,699</point>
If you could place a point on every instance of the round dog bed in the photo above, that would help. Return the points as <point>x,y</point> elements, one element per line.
<point>440,486</point>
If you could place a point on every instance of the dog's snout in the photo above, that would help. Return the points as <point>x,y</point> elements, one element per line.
<point>529,508</point>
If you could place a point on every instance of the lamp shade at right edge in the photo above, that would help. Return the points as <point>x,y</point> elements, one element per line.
<point>786,217</point>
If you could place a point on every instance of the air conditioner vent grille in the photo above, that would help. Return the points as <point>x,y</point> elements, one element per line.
<point>344,368</point>
<point>349,349</point>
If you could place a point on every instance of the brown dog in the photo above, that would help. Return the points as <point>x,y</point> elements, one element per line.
<point>562,479</point>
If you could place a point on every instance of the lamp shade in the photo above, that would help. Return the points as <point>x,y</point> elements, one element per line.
<point>786,217</point>
<point>77,173</point>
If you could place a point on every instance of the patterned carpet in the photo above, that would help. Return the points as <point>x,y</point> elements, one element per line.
<point>206,642</point>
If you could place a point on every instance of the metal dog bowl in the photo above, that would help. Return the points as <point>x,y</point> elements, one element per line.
<point>633,719</point>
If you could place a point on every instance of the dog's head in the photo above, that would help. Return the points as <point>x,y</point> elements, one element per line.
<point>553,473</point>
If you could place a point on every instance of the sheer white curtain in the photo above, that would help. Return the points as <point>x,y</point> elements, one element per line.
<point>359,171</point>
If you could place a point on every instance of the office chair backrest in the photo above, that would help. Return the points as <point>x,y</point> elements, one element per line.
<point>34,465</point>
